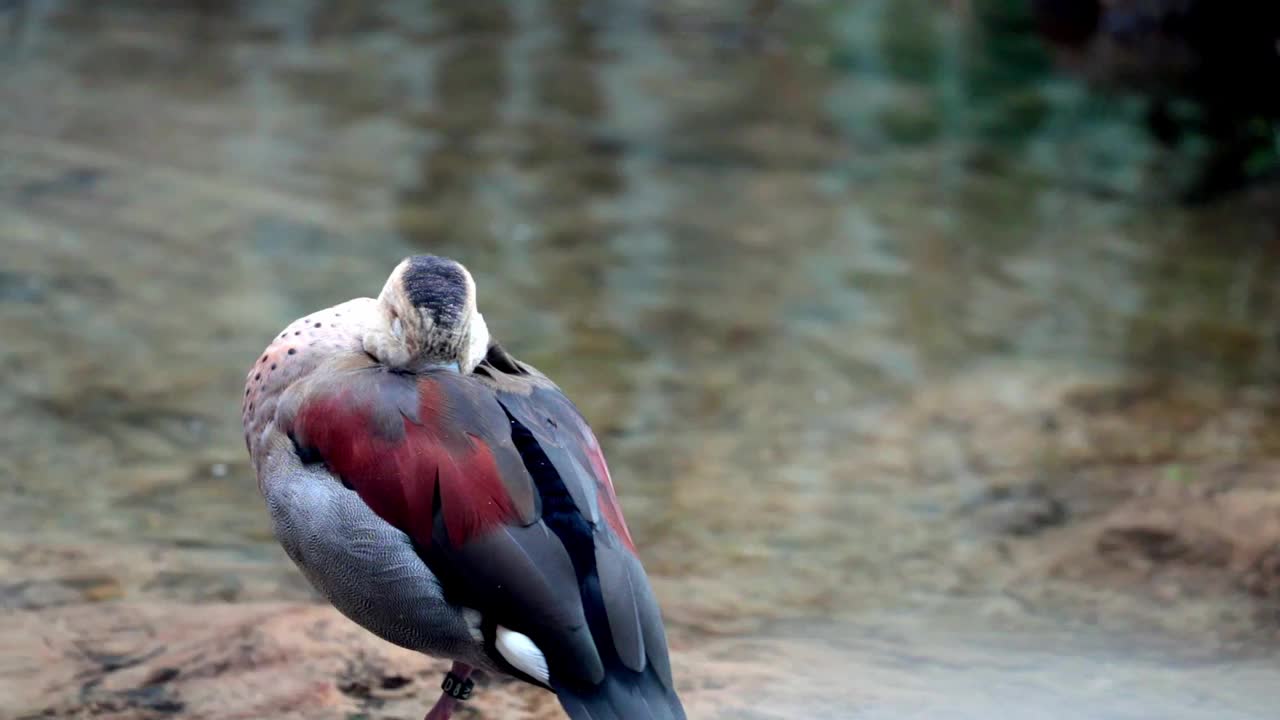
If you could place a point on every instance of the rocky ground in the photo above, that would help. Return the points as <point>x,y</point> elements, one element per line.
<point>156,661</point>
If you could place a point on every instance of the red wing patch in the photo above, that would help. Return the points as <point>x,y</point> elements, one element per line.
<point>610,508</point>
<point>399,467</point>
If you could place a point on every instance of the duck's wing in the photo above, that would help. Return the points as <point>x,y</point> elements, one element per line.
<point>502,487</point>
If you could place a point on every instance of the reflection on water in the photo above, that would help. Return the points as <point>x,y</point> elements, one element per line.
<point>818,275</point>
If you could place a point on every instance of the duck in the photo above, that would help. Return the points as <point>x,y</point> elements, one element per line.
<point>450,499</point>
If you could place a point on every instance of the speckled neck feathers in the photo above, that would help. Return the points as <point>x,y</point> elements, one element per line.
<point>303,346</point>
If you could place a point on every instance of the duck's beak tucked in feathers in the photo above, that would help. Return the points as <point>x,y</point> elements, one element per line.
<point>429,318</point>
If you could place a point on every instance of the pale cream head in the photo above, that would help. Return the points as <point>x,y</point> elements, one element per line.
<point>428,317</point>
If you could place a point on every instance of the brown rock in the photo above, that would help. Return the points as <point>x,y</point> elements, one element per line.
<point>260,661</point>
<point>251,661</point>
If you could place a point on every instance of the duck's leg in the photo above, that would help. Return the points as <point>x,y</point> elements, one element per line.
<point>456,688</point>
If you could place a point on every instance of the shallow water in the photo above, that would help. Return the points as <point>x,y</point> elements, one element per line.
<point>777,257</point>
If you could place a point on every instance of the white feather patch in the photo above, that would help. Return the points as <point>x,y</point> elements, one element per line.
<point>520,651</point>
<point>479,345</point>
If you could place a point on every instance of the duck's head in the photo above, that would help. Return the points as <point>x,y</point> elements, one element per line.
<point>428,318</point>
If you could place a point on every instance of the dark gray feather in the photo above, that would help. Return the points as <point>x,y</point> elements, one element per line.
<point>620,581</point>
<point>524,576</point>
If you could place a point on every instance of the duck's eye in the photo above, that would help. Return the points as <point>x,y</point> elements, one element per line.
<point>397,329</point>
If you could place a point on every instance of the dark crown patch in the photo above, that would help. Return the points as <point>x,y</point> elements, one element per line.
<point>437,284</point>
